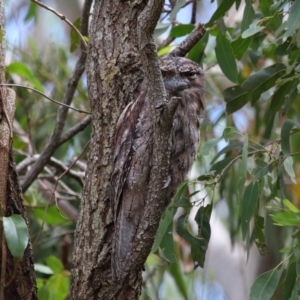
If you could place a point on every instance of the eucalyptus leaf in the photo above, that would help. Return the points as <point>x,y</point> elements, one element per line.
<point>263,80</point>
<point>209,145</point>
<point>290,279</point>
<point>221,10</point>
<point>293,22</point>
<point>236,97</point>
<point>248,16</point>
<point>265,285</point>
<point>288,166</point>
<point>285,136</point>
<point>225,57</point>
<point>249,202</point>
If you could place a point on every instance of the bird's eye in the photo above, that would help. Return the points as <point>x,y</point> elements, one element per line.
<point>191,74</point>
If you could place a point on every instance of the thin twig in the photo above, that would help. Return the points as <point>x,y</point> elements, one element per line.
<point>194,10</point>
<point>75,129</point>
<point>53,193</point>
<point>52,100</point>
<point>64,19</point>
<point>78,176</point>
<point>62,113</point>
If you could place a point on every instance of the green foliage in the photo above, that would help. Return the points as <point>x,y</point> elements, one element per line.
<point>57,285</point>
<point>16,235</point>
<point>254,164</point>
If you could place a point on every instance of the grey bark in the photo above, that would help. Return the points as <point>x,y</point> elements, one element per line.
<point>120,43</point>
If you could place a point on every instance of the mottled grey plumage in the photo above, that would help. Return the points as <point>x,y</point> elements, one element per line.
<point>133,153</point>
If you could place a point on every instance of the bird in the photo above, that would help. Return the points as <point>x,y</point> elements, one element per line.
<point>133,151</point>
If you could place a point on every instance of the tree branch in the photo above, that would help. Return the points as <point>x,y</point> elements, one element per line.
<point>42,94</point>
<point>74,130</point>
<point>54,141</point>
<point>185,46</point>
<point>83,42</point>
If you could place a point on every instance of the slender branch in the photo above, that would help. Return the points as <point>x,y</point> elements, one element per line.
<point>78,176</point>
<point>75,129</point>
<point>189,42</point>
<point>166,42</point>
<point>72,164</point>
<point>194,10</point>
<point>52,100</point>
<point>64,19</point>
<point>53,143</point>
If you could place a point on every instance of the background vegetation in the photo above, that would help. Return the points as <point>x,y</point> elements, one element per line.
<point>248,165</point>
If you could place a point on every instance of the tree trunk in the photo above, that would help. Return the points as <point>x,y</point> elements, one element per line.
<point>114,73</point>
<point>17,278</point>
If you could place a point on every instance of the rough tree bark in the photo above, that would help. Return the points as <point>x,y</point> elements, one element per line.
<point>120,44</point>
<point>17,278</point>
<point>114,73</point>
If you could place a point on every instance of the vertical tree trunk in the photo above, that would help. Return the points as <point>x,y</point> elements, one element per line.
<point>17,278</point>
<point>113,70</point>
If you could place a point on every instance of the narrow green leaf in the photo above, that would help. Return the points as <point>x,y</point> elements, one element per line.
<point>198,245</point>
<point>240,46</point>
<point>290,97</point>
<point>221,10</point>
<point>261,169</point>
<point>287,218</point>
<point>248,16</point>
<point>236,145</point>
<point>258,235</point>
<point>285,48</point>
<point>32,12</point>
<point>288,204</point>
<point>285,136</point>
<point>249,203</point>
<point>225,57</point>
<point>289,281</point>
<point>180,192</point>
<point>265,285</point>
<point>202,219</point>
<point>197,52</point>
<point>165,221</point>
<point>221,165</point>
<point>175,271</point>
<point>167,245</point>
<point>265,6</point>
<point>206,177</point>
<point>209,145</point>
<point>181,30</point>
<point>293,22</point>
<point>279,96</point>
<point>74,37</point>
<point>253,29</point>
<point>236,97</point>
<point>263,80</point>
<point>288,166</point>
<point>16,235</point>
